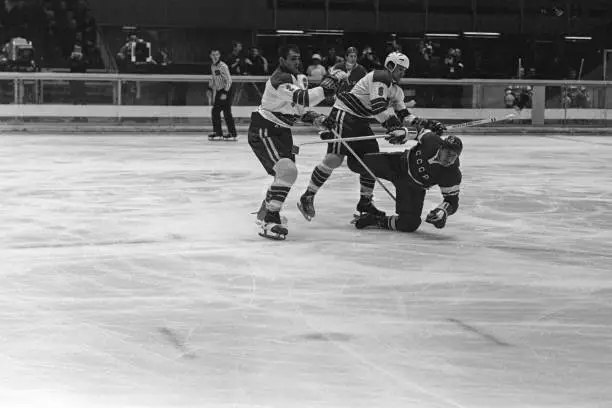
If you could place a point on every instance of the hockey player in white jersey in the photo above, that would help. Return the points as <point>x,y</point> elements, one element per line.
<point>284,102</point>
<point>379,96</point>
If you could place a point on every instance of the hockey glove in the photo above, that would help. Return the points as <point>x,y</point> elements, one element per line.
<point>330,85</point>
<point>437,217</point>
<point>430,124</point>
<point>397,135</point>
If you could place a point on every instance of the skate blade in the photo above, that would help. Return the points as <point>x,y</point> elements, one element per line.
<point>223,139</point>
<point>308,217</point>
<point>273,236</point>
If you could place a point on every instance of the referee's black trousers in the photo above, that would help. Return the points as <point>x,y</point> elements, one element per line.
<point>225,106</point>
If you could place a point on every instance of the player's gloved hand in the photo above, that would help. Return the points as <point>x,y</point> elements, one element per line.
<point>330,85</point>
<point>311,117</point>
<point>430,124</point>
<point>326,135</point>
<point>437,217</point>
<point>397,135</point>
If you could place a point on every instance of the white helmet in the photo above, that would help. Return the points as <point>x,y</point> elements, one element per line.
<point>397,58</point>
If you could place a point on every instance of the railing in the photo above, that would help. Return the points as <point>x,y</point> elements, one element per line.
<point>111,95</point>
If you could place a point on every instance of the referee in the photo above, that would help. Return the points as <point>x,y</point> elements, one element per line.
<point>220,96</point>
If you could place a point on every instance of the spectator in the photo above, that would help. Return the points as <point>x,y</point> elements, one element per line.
<point>162,57</point>
<point>369,60</point>
<point>78,64</point>
<point>330,59</point>
<point>236,60</point>
<point>354,70</point>
<point>219,94</point>
<point>316,70</point>
<point>453,69</point>
<point>256,63</point>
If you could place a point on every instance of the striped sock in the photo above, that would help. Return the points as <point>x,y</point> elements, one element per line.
<point>391,223</point>
<point>367,185</point>
<point>319,176</point>
<point>276,196</point>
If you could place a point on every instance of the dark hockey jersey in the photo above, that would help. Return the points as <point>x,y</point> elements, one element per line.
<point>354,74</point>
<point>424,171</point>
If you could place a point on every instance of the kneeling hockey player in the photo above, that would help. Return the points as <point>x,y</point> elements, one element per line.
<point>432,161</point>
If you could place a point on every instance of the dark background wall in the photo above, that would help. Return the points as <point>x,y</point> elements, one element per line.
<point>535,17</point>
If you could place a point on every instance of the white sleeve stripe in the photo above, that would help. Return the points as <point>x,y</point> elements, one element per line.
<point>450,190</point>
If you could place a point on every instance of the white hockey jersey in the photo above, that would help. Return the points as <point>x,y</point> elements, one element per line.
<point>286,98</point>
<point>373,96</point>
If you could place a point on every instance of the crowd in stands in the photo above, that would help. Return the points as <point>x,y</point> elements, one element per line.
<point>59,30</point>
<point>429,59</point>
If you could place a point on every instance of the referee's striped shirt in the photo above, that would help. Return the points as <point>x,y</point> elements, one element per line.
<point>221,78</point>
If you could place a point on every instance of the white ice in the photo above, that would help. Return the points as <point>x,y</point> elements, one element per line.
<point>133,276</point>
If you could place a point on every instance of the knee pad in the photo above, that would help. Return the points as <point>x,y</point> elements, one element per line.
<point>407,222</point>
<point>286,172</point>
<point>333,161</point>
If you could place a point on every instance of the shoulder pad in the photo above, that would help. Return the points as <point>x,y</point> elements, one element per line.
<point>279,77</point>
<point>383,76</point>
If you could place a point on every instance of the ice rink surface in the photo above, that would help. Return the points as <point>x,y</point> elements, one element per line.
<point>133,276</point>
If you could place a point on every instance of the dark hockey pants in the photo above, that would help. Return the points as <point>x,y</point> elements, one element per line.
<point>409,197</point>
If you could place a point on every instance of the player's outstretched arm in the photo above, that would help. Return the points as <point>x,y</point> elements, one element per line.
<point>437,217</point>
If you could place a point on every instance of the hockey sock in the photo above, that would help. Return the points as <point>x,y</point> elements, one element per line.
<point>276,196</point>
<point>367,186</point>
<point>319,176</point>
<point>390,223</point>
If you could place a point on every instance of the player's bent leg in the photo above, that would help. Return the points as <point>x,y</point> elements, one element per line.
<point>366,188</point>
<point>323,171</point>
<point>319,176</point>
<point>260,146</point>
<point>402,222</point>
<point>286,174</point>
<point>405,222</point>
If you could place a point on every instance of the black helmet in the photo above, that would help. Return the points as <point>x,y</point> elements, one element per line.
<point>453,143</point>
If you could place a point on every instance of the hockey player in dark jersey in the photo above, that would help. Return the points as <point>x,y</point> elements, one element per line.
<point>375,96</point>
<point>432,161</point>
<point>284,102</point>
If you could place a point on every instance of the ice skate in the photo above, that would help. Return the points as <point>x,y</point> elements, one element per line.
<point>306,206</point>
<point>368,220</point>
<point>273,226</point>
<point>230,138</point>
<point>214,136</point>
<point>261,213</point>
<point>366,206</point>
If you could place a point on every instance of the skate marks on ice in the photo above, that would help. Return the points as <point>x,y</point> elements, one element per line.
<point>365,318</point>
<point>478,332</point>
<point>179,344</point>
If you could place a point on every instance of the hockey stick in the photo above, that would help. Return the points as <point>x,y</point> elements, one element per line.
<point>296,149</point>
<point>370,172</point>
